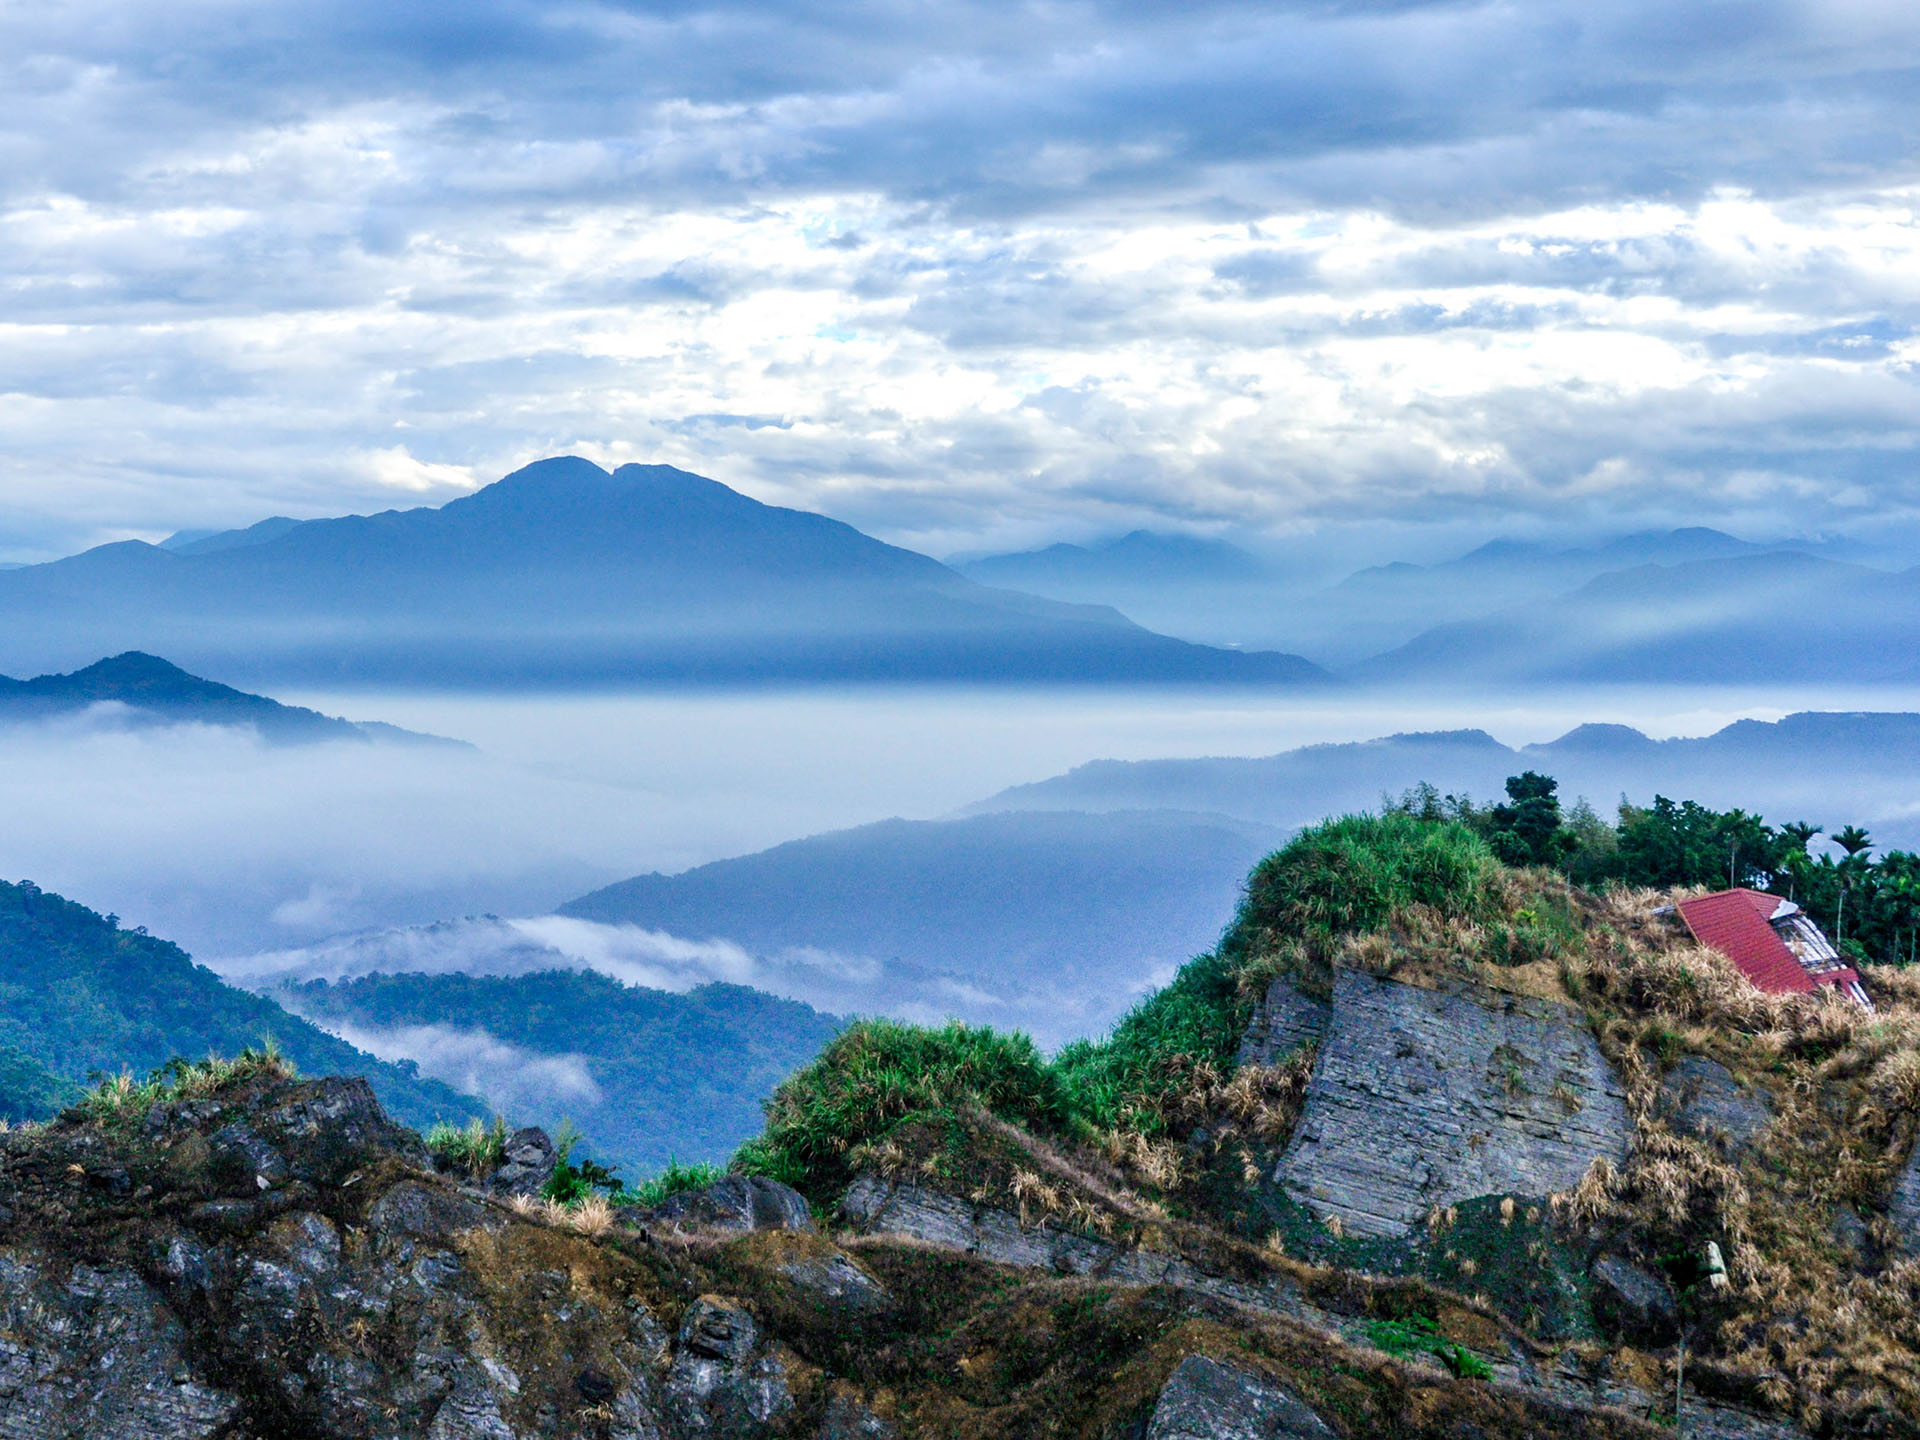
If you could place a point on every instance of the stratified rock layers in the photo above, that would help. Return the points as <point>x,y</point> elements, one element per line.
<point>1424,1097</point>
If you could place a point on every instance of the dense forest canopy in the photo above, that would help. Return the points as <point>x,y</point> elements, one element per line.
<point>80,997</point>
<point>1869,906</point>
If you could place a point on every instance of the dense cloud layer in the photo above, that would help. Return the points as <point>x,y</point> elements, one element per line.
<point>964,273</point>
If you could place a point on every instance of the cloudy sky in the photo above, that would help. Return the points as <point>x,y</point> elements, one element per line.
<point>968,275</point>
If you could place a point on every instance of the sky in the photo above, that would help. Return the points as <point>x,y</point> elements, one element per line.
<point>969,276</point>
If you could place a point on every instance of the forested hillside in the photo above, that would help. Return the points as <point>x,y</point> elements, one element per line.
<point>81,996</point>
<point>668,1077</point>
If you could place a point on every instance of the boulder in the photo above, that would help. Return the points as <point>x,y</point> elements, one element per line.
<point>329,1129</point>
<point>1206,1400</point>
<point>1632,1303</point>
<point>1700,1098</point>
<point>526,1164</point>
<point>738,1204</point>
<point>829,1281</point>
<point>723,1381</point>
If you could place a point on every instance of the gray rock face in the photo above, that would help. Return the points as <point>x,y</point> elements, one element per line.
<point>1206,1400</point>
<point>527,1163</point>
<point>724,1382</point>
<point>878,1207</point>
<point>835,1283</point>
<point>1631,1303</point>
<point>1700,1097</point>
<point>1903,1204</point>
<point>737,1204</point>
<point>95,1353</point>
<point>1285,1019</point>
<point>1427,1097</point>
<point>319,1134</point>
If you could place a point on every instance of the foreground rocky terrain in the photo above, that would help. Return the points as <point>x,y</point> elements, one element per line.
<point>1444,1167</point>
<point>275,1258</point>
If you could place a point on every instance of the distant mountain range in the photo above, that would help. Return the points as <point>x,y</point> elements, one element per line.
<point>565,574</point>
<point>1138,556</point>
<point>1052,922</point>
<point>83,996</point>
<point>146,690</point>
<point>1828,767</point>
<point>649,1076</point>
<point>1683,606</point>
<point>1775,616</point>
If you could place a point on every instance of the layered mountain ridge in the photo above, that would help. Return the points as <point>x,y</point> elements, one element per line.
<point>565,574</point>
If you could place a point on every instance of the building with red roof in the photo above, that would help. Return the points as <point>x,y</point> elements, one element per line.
<point>1773,942</point>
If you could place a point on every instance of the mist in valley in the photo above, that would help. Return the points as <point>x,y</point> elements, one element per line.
<point>260,859</point>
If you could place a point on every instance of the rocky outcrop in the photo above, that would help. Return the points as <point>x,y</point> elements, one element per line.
<point>1285,1018</point>
<point>1426,1097</point>
<point>527,1162</point>
<point>725,1380</point>
<point>96,1352</point>
<point>1206,1400</point>
<point>1700,1098</point>
<point>1632,1303</point>
<point>1563,1391</point>
<point>735,1205</point>
<point>873,1206</point>
<point>276,1260</point>
<point>281,1261</point>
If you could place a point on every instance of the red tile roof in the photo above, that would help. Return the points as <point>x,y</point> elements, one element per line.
<point>1735,922</point>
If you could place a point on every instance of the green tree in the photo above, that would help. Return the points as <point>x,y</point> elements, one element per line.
<point>1526,830</point>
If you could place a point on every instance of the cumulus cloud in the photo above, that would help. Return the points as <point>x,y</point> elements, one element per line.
<point>1293,265</point>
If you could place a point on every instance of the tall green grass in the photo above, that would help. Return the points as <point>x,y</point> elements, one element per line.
<point>124,1101</point>
<point>1349,875</point>
<point>878,1074</point>
<point>1122,1080</point>
<point>1343,876</point>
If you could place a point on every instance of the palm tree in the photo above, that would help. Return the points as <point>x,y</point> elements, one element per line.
<point>1853,840</point>
<point>1795,836</point>
<point>1856,842</point>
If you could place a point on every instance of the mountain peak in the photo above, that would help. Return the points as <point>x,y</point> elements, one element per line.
<point>1596,739</point>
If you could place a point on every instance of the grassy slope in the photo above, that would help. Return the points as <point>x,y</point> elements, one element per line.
<point>79,995</point>
<point>1152,1136</point>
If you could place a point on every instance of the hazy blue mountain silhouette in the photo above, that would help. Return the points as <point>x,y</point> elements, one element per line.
<point>1044,920</point>
<point>206,542</point>
<point>564,573</point>
<point>1386,606</point>
<point>1774,616</point>
<point>1138,556</point>
<point>157,692</point>
<point>1828,767</point>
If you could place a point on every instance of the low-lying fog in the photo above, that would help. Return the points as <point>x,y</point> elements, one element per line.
<point>233,848</point>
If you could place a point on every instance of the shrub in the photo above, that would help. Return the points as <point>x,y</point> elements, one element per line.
<point>1344,876</point>
<point>478,1149</point>
<point>1419,1335</point>
<point>1126,1079</point>
<point>668,1183</point>
<point>576,1181</point>
<point>877,1075</point>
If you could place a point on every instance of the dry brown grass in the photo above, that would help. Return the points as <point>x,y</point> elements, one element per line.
<point>1809,1332</point>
